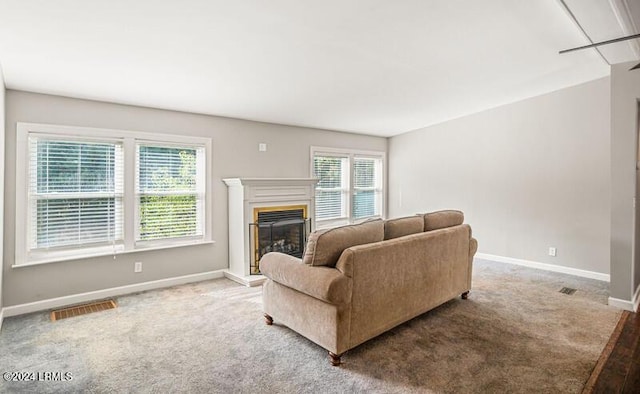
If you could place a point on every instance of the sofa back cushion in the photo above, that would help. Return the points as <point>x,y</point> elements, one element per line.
<point>395,228</point>
<point>442,219</point>
<point>324,247</point>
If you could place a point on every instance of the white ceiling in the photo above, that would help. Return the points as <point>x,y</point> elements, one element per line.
<point>604,20</point>
<point>376,67</point>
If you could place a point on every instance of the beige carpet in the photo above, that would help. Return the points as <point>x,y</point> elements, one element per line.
<point>515,333</point>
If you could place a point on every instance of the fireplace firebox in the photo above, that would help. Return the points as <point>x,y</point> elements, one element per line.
<point>278,229</point>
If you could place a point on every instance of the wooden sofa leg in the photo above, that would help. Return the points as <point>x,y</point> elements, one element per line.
<point>465,295</point>
<point>334,359</point>
<point>268,319</point>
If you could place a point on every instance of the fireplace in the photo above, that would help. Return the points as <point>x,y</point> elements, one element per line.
<point>257,225</point>
<point>281,229</point>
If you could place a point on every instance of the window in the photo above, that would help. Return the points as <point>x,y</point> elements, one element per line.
<point>75,191</point>
<point>169,194</point>
<point>332,188</point>
<point>367,187</point>
<point>350,185</point>
<point>87,192</point>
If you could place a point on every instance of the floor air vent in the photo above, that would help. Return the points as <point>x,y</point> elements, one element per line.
<point>83,309</point>
<point>567,290</point>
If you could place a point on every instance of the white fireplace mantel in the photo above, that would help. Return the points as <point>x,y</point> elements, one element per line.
<point>245,194</point>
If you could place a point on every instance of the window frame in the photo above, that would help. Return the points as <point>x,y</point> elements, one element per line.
<point>128,139</point>
<point>379,187</point>
<point>343,189</point>
<point>117,194</point>
<point>350,155</point>
<point>137,194</point>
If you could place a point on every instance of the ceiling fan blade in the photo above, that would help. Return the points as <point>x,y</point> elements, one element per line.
<point>597,44</point>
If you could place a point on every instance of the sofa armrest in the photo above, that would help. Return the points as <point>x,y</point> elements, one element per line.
<point>325,283</point>
<point>473,247</point>
<point>345,263</point>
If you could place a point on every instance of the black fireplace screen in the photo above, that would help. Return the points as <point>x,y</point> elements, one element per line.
<point>283,230</point>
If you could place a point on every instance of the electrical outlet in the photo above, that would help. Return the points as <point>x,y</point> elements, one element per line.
<point>137,266</point>
<point>552,251</point>
<point>262,147</point>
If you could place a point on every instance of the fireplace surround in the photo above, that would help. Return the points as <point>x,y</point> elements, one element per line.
<point>260,210</point>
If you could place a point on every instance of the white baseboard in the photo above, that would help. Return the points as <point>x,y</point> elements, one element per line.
<point>546,267</point>
<point>105,293</point>
<point>249,280</point>
<point>621,304</point>
<point>1,317</point>
<point>631,306</point>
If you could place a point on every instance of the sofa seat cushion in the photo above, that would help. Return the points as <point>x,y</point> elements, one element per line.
<point>442,219</point>
<point>395,228</point>
<point>324,247</point>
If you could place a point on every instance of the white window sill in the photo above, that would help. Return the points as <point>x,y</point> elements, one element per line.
<point>58,259</point>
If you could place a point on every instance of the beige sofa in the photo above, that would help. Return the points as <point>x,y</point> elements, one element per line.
<point>356,282</point>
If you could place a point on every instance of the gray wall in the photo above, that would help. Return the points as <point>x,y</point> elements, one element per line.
<point>528,176</point>
<point>235,153</point>
<point>2,134</point>
<point>625,91</point>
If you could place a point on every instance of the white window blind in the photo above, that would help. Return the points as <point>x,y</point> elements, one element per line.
<point>332,187</point>
<point>170,191</point>
<point>75,193</point>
